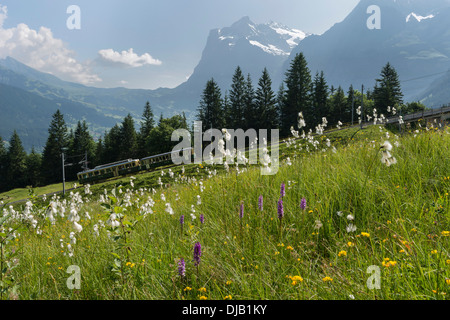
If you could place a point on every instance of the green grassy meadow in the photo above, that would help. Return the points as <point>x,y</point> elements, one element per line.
<point>132,241</point>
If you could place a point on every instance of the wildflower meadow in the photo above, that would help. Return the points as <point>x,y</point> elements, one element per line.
<point>352,214</point>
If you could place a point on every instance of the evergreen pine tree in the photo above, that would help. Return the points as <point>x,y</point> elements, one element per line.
<point>147,124</point>
<point>387,91</point>
<point>249,115</point>
<point>298,96</point>
<point>350,105</point>
<point>2,165</point>
<point>266,103</point>
<point>15,163</point>
<point>111,145</point>
<point>33,165</point>
<point>226,111</point>
<point>237,100</point>
<point>281,101</point>
<point>338,105</point>
<point>320,98</point>
<point>82,145</point>
<point>128,139</point>
<point>210,111</point>
<point>57,143</point>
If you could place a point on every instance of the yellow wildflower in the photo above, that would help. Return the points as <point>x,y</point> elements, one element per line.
<point>342,253</point>
<point>187,289</point>
<point>203,298</point>
<point>365,234</point>
<point>202,289</point>
<point>227,297</point>
<point>326,279</point>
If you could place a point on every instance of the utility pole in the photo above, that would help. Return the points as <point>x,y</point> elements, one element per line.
<point>63,172</point>
<point>362,105</point>
<point>353,105</point>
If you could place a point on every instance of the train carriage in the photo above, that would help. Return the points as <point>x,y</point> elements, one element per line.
<point>107,171</point>
<point>131,166</point>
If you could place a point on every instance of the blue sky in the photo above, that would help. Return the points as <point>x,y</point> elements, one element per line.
<point>140,43</point>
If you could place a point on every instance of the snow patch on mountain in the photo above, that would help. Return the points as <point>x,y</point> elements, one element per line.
<point>273,38</point>
<point>418,17</point>
<point>271,49</point>
<point>292,36</point>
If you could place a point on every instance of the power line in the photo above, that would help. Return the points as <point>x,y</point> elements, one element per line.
<point>430,75</point>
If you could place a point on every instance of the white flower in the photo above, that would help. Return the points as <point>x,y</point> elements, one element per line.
<point>318,224</point>
<point>199,200</point>
<point>351,228</point>
<point>350,217</point>
<point>386,146</point>
<point>112,222</point>
<point>169,209</point>
<point>78,228</point>
<point>226,134</point>
<point>339,213</point>
<point>73,240</point>
<point>96,233</point>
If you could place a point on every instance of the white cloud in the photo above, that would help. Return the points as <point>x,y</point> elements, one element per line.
<point>128,58</point>
<point>41,51</point>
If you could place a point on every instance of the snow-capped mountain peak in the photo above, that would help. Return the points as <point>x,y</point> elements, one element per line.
<point>273,38</point>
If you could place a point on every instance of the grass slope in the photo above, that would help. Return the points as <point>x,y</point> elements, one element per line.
<point>401,214</point>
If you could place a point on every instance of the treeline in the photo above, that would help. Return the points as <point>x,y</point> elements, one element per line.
<point>244,106</point>
<point>19,169</point>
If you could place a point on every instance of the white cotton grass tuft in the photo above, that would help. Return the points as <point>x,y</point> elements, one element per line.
<point>387,158</point>
<point>386,146</point>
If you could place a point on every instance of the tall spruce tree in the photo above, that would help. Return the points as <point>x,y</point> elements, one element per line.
<point>320,98</point>
<point>298,95</point>
<point>250,116</point>
<point>111,145</point>
<point>33,165</point>
<point>281,101</point>
<point>2,165</point>
<point>266,103</point>
<point>57,143</point>
<point>350,110</point>
<point>387,91</point>
<point>128,139</point>
<point>15,163</point>
<point>237,100</point>
<point>338,105</point>
<point>82,146</point>
<point>210,111</point>
<point>147,125</point>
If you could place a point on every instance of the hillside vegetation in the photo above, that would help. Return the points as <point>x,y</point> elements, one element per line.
<point>333,218</point>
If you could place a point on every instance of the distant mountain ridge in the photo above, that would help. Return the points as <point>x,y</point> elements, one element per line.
<point>414,37</point>
<point>249,45</point>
